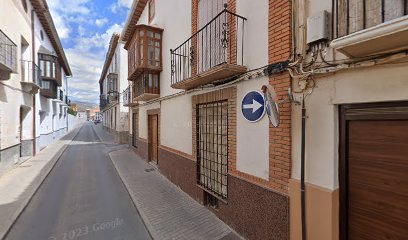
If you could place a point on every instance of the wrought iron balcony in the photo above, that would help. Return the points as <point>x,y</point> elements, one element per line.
<point>213,53</point>
<point>127,97</point>
<point>8,56</point>
<point>112,77</point>
<point>113,96</point>
<point>30,75</point>
<point>146,87</point>
<point>103,102</point>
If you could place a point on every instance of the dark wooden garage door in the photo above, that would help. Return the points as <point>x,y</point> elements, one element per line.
<point>374,172</point>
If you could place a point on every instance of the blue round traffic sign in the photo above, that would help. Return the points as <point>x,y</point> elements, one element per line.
<point>253,106</point>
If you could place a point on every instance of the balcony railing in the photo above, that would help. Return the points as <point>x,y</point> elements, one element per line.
<point>103,101</point>
<point>8,54</point>
<point>113,96</point>
<point>216,51</point>
<point>355,15</point>
<point>127,96</point>
<point>30,73</point>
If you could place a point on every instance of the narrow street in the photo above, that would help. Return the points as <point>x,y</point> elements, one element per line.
<point>82,198</point>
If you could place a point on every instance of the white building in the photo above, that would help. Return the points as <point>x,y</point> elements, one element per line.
<point>355,71</point>
<point>191,63</point>
<point>113,82</point>
<point>34,71</point>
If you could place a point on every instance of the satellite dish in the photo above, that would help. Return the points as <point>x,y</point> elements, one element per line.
<point>271,104</point>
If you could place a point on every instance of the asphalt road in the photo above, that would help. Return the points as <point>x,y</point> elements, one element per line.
<point>82,198</point>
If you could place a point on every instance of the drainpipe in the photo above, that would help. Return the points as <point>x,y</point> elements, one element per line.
<point>302,171</point>
<point>33,74</point>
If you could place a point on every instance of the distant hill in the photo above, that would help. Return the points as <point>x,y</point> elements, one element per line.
<point>82,106</point>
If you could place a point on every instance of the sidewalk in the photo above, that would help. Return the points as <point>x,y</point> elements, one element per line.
<point>18,185</point>
<point>167,211</point>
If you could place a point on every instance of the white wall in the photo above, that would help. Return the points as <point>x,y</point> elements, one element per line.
<point>376,84</point>
<point>256,31</point>
<point>121,68</point>
<point>74,121</point>
<point>176,125</point>
<point>177,29</point>
<point>49,121</point>
<point>143,119</point>
<point>176,113</point>
<point>253,138</point>
<point>12,96</point>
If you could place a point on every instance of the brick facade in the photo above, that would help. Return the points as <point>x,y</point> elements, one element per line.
<point>279,24</point>
<point>229,94</point>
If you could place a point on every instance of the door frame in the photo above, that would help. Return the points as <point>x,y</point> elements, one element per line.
<point>151,113</point>
<point>367,112</point>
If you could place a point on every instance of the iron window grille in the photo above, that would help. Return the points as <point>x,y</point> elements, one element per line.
<point>212,147</point>
<point>356,15</point>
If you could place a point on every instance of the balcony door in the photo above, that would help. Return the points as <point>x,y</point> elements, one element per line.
<point>211,46</point>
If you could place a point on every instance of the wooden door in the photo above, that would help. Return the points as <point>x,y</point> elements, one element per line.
<point>134,129</point>
<point>374,175</point>
<point>153,139</point>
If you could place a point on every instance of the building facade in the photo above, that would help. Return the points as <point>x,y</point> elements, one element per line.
<point>354,60</point>
<point>33,72</point>
<point>113,82</point>
<point>189,73</point>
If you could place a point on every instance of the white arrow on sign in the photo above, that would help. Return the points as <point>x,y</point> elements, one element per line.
<point>254,106</point>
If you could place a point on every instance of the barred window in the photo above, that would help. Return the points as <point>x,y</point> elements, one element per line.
<point>212,147</point>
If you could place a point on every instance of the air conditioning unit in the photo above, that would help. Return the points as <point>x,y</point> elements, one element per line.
<point>318,27</point>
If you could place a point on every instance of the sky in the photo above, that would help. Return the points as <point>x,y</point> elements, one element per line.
<point>85,28</point>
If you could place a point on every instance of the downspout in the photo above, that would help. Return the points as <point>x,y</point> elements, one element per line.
<point>33,74</point>
<point>303,137</point>
<point>302,171</point>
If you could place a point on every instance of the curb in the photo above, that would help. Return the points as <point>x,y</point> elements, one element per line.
<point>137,205</point>
<point>51,166</point>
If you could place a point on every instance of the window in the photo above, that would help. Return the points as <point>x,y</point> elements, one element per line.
<point>145,50</point>
<point>49,66</point>
<point>146,83</point>
<point>154,48</point>
<point>151,9</point>
<point>45,85</point>
<point>356,15</point>
<point>42,35</point>
<point>212,147</point>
